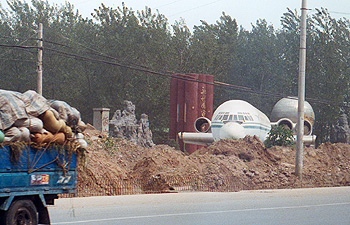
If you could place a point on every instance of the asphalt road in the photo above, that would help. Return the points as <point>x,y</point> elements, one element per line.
<point>293,206</point>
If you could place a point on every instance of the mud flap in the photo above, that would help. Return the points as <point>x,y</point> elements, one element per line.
<point>44,217</point>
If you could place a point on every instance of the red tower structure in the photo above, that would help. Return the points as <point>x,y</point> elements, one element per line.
<point>191,96</point>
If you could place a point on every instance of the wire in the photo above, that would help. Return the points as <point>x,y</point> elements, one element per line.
<point>168,74</point>
<point>19,46</point>
<point>142,66</point>
<point>22,42</point>
<point>95,51</point>
<point>344,13</point>
<point>170,3</point>
<point>188,78</point>
<point>188,10</point>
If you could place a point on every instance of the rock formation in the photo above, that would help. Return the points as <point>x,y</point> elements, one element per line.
<point>341,132</point>
<point>125,125</point>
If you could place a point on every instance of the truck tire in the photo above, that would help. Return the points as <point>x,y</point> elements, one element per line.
<point>21,212</point>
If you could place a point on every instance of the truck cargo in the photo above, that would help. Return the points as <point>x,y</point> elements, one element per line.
<point>39,143</point>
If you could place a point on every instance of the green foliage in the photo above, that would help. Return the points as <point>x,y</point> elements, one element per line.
<point>109,144</point>
<point>279,136</point>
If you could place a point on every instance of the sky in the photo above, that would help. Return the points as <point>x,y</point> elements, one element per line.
<point>246,12</point>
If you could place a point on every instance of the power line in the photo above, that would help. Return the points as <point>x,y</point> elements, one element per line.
<point>170,3</point>
<point>18,46</point>
<point>197,7</point>
<point>137,65</point>
<point>344,13</point>
<point>188,78</point>
<point>168,74</point>
<point>94,51</point>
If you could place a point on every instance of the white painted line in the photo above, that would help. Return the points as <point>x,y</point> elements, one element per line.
<point>201,213</point>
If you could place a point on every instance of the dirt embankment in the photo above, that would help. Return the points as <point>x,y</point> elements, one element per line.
<point>115,166</point>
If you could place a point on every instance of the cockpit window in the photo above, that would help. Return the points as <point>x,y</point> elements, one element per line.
<point>225,117</point>
<point>222,116</point>
<point>219,116</point>
<point>241,116</point>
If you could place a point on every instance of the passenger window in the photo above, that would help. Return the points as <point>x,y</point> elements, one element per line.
<point>240,117</point>
<point>225,117</point>
<point>230,117</point>
<point>235,118</point>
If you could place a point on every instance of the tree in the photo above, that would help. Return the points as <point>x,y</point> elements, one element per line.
<point>329,74</point>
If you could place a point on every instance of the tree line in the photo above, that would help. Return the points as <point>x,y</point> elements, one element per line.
<point>108,58</point>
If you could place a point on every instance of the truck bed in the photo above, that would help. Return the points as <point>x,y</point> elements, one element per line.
<point>27,170</point>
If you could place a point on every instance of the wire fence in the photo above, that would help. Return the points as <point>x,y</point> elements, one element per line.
<point>158,185</point>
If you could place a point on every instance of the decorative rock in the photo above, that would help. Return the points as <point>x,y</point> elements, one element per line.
<point>341,132</point>
<point>125,125</point>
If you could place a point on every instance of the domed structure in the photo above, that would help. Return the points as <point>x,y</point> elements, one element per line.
<point>288,108</point>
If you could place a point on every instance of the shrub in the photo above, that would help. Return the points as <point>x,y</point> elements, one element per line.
<point>279,136</point>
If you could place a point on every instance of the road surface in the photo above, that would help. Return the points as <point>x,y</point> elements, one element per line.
<point>293,206</point>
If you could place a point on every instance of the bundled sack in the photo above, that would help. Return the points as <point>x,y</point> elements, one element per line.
<point>53,125</point>
<point>67,113</point>
<point>15,106</point>
<point>12,108</point>
<point>17,134</point>
<point>35,125</point>
<point>48,137</point>
<point>35,104</point>
<point>47,120</point>
<point>79,139</point>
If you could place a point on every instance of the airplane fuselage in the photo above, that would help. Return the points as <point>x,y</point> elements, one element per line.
<point>236,119</point>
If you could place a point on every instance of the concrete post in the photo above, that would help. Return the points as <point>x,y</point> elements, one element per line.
<point>101,119</point>
<point>301,93</point>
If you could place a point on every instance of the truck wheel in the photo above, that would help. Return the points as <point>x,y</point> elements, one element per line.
<point>21,212</point>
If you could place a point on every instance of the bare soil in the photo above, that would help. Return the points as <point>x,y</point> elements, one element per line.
<point>112,167</point>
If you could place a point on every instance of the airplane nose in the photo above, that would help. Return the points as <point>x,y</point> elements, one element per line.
<point>232,130</point>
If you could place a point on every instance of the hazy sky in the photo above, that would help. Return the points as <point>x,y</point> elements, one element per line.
<point>192,11</point>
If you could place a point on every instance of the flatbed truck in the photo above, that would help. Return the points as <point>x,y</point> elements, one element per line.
<point>31,179</point>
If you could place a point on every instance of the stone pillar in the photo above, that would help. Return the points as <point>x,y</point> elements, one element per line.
<point>101,119</point>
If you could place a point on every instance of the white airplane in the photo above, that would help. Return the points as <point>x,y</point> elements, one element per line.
<point>236,118</point>
<point>232,119</point>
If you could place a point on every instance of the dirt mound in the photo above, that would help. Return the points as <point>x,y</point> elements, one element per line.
<point>161,164</point>
<point>117,166</point>
<point>105,167</point>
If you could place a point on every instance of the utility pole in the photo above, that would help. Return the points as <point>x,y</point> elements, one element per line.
<point>301,93</point>
<point>40,60</point>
